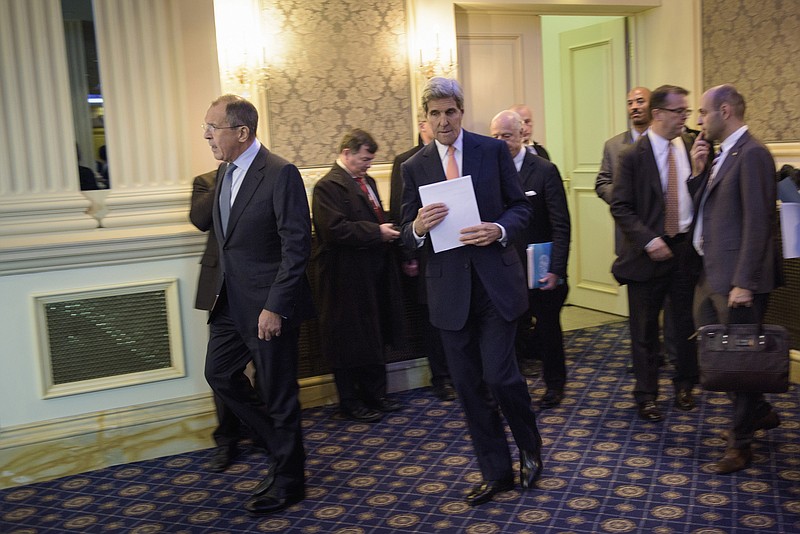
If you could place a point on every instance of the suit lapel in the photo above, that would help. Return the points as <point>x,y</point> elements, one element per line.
<point>471,159</point>
<point>432,165</point>
<point>250,183</point>
<point>651,172</point>
<point>348,182</point>
<point>730,160</point>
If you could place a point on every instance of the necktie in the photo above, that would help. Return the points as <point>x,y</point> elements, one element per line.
<point>452,165</point>
<point>671,215</point>
<point>225,198</point>
<point>375,207</point>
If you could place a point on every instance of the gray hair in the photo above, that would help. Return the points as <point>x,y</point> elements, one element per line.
<point>239,112</point>
<point>438,87</point>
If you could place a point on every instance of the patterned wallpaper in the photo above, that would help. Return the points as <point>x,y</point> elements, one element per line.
<point>346,67</point>
<point>755,45</point>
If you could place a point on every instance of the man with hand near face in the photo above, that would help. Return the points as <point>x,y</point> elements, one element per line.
<point>733,233</point>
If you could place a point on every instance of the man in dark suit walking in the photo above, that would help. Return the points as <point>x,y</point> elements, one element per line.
<point>541,183</point>
<point>477,291</point>
<point>263,226</point>
<point>359,286</point>
<point>229,428</point>
<point>734,235</point>
<point>653,208</point>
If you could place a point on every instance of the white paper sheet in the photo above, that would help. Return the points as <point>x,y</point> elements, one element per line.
<point>790,229</point>
<point>459,197</point>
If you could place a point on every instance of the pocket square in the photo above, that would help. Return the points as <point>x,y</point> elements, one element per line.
<point>530,193</point>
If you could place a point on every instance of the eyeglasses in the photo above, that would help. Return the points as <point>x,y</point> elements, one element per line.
<point>679,111</point>
<point>213,128</point>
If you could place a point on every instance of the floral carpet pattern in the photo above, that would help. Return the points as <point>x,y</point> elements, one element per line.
<point>606,471</point>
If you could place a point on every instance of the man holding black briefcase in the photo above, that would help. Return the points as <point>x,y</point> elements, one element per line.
<point>733,233</point>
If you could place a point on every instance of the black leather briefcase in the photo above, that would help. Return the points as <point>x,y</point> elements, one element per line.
<point>749,358</point>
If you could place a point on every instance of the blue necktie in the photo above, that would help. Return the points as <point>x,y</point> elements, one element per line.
<point>225,198</point>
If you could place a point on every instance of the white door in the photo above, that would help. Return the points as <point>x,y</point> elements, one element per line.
<point>594,73</point>
<point>500,64</point>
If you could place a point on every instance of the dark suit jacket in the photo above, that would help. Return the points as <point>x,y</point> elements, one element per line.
<point>358,283</point>
<point>611,151</point>
<point>739,219</point>
<point>637,204</point>
<point>396,185</point>
<point>500,200</point>
<point>542,185</point>
<point>538,150</point>
<point>201,215</point>
<point>265,253</point>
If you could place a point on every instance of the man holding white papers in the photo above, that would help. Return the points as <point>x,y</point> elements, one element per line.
<point>477,291</point>
<point>541,183</point>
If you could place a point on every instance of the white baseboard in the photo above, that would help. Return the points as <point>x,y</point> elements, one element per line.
<point>70,445</point>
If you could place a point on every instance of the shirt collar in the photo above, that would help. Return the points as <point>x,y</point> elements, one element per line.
<point>732,139</point>
<point>458,143</point>
<point>246,158</point>
<point>519,158</point>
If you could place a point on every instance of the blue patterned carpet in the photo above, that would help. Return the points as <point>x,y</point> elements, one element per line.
<point>606,471</point>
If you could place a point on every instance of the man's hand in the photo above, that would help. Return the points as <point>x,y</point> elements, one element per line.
<point>269,324</point>
<point>428,217</point>
<point>740,297</point>
<point>699,154</point>
<point>388,233</point>
<point>659,250</point>
<point>480,235</point>
<point>549,282</point>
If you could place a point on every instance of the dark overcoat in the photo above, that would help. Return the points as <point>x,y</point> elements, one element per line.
<point>358,288</point>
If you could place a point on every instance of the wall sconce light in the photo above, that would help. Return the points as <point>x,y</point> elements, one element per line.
<point>244,33</point>
<point>432,62</point>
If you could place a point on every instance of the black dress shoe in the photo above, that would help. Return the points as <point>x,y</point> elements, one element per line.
<point>769,421</point>
<point>684,400</point>
<point>275,500</point>
<point>266,483</point>
<point>530,468</point>
<point>445,392</point>
<point>385,404</point>
<point>551,399</point>
<point>650,412</point>
<point>362,414</point>
<point>487,489</point>
<point>221,458</point>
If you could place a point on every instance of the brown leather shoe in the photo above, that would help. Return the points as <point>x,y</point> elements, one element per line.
<point>734,460</point>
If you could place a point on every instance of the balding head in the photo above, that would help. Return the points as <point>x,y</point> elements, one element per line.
<point>508,126</point>
<point>526,115</point>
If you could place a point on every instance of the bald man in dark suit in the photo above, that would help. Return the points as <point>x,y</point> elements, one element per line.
<point>734,235</point>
